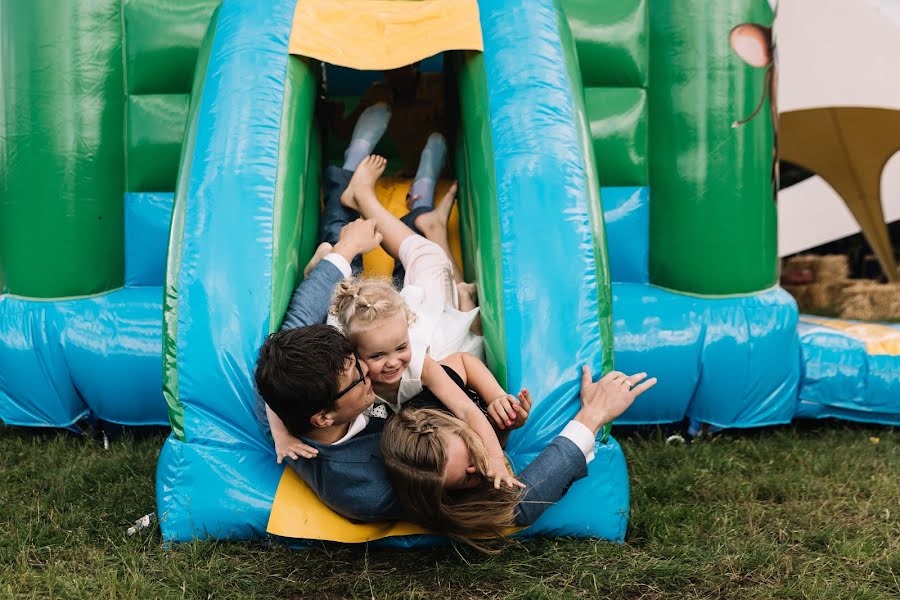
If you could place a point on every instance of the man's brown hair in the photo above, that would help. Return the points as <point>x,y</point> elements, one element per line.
<point>298,372</point>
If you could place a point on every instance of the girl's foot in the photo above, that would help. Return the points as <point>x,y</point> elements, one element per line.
<point>435,221</point>
<point>322,251</point>
<point>364,178</point>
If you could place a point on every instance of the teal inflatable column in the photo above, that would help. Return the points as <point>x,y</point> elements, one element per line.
<point>61,147</point>
<point>712,211</point>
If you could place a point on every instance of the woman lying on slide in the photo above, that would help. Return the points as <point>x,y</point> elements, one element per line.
<point>434,463</point>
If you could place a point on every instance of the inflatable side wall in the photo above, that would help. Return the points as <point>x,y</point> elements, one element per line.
<point>730,356</point>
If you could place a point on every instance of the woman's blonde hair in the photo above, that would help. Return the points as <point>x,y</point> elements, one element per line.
<point>358,302</point>
<point>414,446</point>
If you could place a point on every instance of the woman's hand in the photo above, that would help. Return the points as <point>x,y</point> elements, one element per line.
<point>498,471</point>
<point>508,412</point>
<point>287,445</point>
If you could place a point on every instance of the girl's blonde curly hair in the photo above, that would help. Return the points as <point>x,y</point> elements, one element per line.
<point>360,302</point>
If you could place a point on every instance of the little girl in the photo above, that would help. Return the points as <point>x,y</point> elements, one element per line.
<point>394,346</point>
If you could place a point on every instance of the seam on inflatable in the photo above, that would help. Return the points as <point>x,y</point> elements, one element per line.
<point>63,298</point>
<point>176,240</point>
<point>126,95</point>
<point>594,199</point>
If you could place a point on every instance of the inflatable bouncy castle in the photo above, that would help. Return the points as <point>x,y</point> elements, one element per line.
<point>160,195</point>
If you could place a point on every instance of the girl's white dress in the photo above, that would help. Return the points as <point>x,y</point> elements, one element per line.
<point>440,328</point>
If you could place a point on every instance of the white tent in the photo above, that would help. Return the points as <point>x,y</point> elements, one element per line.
<point>839,101</point>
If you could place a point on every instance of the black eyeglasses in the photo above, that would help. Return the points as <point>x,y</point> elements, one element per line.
<point>362,377</point>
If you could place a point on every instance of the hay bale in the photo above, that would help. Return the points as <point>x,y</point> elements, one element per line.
<point>810,268</point>
<point>886,301</point>
<point>831,268</point>
<point>820,295</point>
<point>801,261</point>
<point>800,294</point>
<point>871,301</point>
<point>837,290</point>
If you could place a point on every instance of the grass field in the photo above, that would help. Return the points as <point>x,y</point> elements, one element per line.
<point>801,512</point>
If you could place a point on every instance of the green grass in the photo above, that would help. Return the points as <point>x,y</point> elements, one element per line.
<point>800,512</point>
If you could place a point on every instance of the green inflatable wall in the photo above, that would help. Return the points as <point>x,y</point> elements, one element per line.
<point>61,168</point>
<point>712,210</point>
<point>82,124</point>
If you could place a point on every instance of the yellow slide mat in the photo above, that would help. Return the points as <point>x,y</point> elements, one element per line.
<point>298,513</point>
<point>383,34</point>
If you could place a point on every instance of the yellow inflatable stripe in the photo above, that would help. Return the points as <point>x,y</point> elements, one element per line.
<point>383,34</point>
<point>879,339</point>
<point>298,513</point>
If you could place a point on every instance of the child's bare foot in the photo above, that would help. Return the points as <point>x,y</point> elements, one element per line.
<point>364,178</point>
<point>321,252</point>
<point>435,221</point>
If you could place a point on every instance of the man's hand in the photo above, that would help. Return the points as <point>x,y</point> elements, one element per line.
<point>357,238</point>
<point>604,400</point>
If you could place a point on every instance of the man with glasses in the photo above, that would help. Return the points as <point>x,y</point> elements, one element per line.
<point>310,377</point>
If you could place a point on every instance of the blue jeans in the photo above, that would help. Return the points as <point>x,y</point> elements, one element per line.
<point>335,215</point>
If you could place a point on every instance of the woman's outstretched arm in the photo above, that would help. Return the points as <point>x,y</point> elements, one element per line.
<point>564,461</point>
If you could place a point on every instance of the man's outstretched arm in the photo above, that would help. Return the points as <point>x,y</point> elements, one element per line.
<point>312,297</point>
<point>564,461</point>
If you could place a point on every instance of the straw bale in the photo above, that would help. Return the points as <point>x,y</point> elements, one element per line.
<point>821,269</point>
<point>801,261</point>
<point>837,289</point>
<point>798,270</point>
<point>871,301</point>
<point>820,295</point>
<point>831,268</point>
<point>800,294</point>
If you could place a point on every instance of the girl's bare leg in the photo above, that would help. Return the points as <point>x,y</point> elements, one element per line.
<point>433,226</point>
<point>360,196</point>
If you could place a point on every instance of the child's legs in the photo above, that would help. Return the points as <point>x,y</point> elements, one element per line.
<point>393,230</point>
<point>409,219</point>
<point>428,267</point>
<point>442,239</point>
<point>430,163</point>
<point>438,236</point>
<point>334,214</point>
